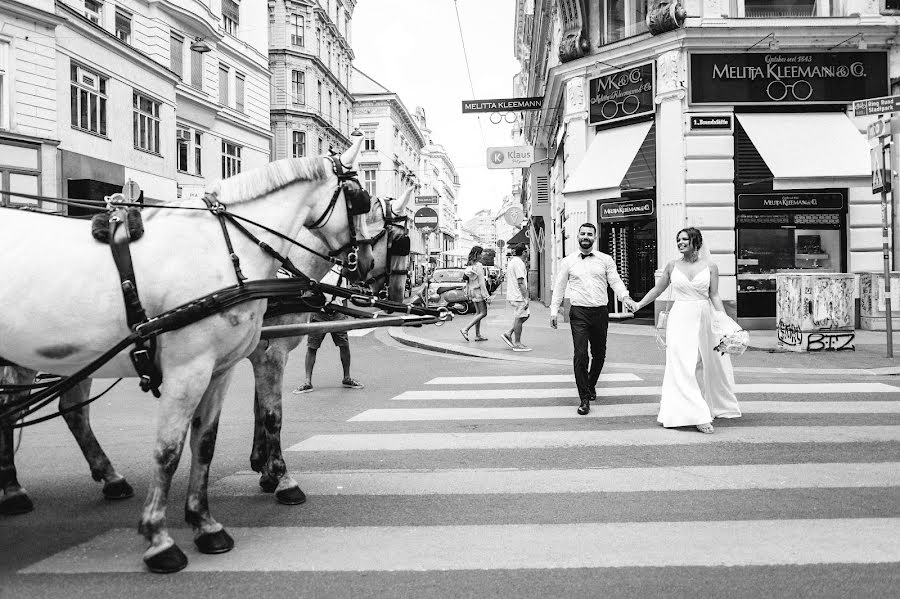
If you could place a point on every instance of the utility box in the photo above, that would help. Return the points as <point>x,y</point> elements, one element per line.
<point>815,311</point>
<point>871,300</point>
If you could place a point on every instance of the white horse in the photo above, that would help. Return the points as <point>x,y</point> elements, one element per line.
<point>270,356</point>
<point>69,310</point>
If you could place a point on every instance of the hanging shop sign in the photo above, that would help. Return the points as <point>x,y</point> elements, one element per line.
<point>502,105</point>
<point>793,202</point>
<point>610,211</point>
<point>621,94</point>
<point>787,77</point>
<point>510,157</point>
<point>711,122</point>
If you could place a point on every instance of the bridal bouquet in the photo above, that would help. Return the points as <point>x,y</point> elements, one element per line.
<point>732,339</point>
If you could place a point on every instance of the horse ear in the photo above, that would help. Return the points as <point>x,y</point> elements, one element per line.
<point>348,158</point>
<point>398,206</point>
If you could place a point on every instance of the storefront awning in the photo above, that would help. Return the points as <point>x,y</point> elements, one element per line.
<point>599,174</point>
<point>521,236</point>
<point>810,151</point>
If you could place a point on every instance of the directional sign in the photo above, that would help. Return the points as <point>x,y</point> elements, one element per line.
<point>880,128</point>
<point>510,157</point>
<point>425,219</point>
<point>427,199</point>
<point>876,105</point>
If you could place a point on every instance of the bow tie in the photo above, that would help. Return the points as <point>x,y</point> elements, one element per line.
<point>583,256</point>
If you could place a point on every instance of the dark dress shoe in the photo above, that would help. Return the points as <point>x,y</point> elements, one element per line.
<point>593,396</point>
<point>585,407</point>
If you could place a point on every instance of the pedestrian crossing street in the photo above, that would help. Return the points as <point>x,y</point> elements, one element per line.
<point>529,446</point>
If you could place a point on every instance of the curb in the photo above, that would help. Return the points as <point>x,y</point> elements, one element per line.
<point>398,335</point>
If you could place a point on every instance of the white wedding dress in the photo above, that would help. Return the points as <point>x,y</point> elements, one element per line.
<point>698,384</point>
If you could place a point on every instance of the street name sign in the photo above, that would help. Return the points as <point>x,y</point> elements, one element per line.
<point>502,105</point>
<point>876,105</point>
<point>510,157</point>
<point>425,219</point>
<point>427,199</point>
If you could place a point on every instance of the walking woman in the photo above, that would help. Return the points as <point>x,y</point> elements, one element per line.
<point>693,281</point>
<point>476,289</point>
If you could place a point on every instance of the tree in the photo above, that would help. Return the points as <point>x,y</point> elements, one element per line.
<point>487,258</point>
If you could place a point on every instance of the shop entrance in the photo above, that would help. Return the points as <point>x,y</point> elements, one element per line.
<point>632,245</point>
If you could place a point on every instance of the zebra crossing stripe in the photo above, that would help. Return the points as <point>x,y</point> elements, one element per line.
<point>481,481</point>
<point>648,436</point>
<point>617,410</point>
<point>487,547</point>
<point>744,388</point>
<point>613,377</point>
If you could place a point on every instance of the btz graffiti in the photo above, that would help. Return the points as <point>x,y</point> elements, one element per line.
<point>830,341</point>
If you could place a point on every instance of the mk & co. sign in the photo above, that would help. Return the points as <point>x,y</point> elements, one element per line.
<point>787,77</point>
<point>626,210</point>
<point>621,94</point>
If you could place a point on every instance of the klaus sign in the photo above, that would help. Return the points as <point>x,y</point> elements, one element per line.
<point>510,157</point>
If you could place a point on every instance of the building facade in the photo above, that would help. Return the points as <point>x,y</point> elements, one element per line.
<point>169,95</point>
<point>311,59</point>
<point>732,117</point>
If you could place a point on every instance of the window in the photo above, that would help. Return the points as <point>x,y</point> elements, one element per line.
<point>298,87</point>
<point>762,9</point>
<point>146,123</point>
<point>328,51</point>
<point>297,24</point>
<point>330,107</point>
<point>369,181</point>
<point>369,140</point>
<point>321,148</point>
<point>340,111</point>
<point>4,103</point>
<point>231,159</point>
<point>93,10</point>
<point>299,145</point>
<point>188,151</point>
<point>231,16</point>
<point>223,84</point>
<point>176,51</point>
<point>319,43</point>
<point>348,119</point>
<point>123,26</point>
<point>621,19</point>
<point>239,92</point>
<point>319,86</point>
<point>88,100</point>
<point>197,69</point>
<point>20,170</point>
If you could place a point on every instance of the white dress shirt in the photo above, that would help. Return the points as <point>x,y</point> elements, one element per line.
<point>586,279</point>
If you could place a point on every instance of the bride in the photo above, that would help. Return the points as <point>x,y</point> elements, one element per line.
<point>698,384</point>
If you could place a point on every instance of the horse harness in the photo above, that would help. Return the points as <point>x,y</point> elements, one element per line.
<point>399,246</point>
<point>122,227</point>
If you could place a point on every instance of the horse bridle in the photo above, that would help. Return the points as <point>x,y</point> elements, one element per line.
<point>396,246</point>
<point>358,202</point>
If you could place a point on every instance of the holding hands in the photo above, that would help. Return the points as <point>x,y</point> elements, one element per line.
<point>631,305</point>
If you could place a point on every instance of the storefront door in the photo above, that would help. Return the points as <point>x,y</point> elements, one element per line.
<point>632,245</point>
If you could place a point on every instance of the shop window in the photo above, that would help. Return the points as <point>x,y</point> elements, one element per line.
<point>146,123</point>
<point>297,25</point>
<point>369,181</point>
<point>231,18</point>
<point>239,92</point>
<point>621,19</point>
<point>176,53</point>
<point>298,87</point>
<point>231,159</point>
<point>298,149</point>
<point>196,69</point>
<point>20,170</point>
<point>123,25</point>
<point>88,100</point>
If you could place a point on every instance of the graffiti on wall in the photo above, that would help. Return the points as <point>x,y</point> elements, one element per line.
<point>815,312</point>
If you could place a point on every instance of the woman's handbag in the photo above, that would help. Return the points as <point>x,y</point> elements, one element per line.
<point>661,322</point>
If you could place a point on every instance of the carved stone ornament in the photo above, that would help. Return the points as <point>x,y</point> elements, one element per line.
<point>575,96</point>
<point>665,15</point>
<point>573,43</point>
<point>669,72</point>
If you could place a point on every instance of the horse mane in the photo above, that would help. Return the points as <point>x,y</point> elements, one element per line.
<point>272,177</point>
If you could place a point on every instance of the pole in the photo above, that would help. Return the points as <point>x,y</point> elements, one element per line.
<point>887,178</point>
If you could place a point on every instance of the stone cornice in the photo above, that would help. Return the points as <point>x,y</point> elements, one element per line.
<point>37,15</point>
<point>209,26</point>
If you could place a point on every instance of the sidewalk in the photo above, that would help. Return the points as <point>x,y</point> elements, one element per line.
<point>633,346</point>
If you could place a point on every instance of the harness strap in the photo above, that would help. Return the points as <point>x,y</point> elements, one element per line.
<point>144,352</point>
<point>219,210</point>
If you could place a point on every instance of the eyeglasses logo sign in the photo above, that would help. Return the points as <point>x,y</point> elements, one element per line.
<point>621,94</point>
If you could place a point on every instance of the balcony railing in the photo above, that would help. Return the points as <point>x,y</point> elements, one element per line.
<point>775,11</point>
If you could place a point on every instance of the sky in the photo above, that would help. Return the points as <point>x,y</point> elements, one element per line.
<point>413,48</point>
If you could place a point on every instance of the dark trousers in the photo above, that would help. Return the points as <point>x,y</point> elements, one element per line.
<point>589,325</point>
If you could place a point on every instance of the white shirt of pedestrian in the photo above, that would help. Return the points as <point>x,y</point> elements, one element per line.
<point>515,270</point>
<point>584,281</point>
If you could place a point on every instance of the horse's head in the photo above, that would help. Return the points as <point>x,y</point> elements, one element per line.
<point>341,219</point>
<point>390,245</point>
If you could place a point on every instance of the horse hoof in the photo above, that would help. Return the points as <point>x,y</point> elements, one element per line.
<point>291,496</point>
<point>16,504</point>
<point>268,485</point>
<point>214,542</point>
<point>167,561</point>
<point>119,489</point>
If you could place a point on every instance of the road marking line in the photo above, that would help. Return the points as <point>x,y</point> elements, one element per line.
<point>481,481</point>
<point>513,393</point>
<point>618,410</point>
<point>614,377</point>
<point>359,332</point>
<point>596,438</point>
<point>487,547</point>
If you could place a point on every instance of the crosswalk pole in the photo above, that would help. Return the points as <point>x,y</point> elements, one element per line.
<point>887,177</point>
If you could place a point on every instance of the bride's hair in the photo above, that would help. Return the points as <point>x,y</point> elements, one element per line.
<point>694,236</point>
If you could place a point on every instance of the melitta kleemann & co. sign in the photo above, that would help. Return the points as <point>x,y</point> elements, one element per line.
<point>621,94</point>
<point>791,201</point>
<point>787,77</point>
<point>626,210</point>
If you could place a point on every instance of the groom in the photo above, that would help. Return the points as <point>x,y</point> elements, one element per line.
<point>586,275</point>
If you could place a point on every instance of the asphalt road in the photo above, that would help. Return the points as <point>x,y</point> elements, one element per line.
<point>416,496</point>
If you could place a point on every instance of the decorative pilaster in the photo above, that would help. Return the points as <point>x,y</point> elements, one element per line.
<point>670,196</point>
